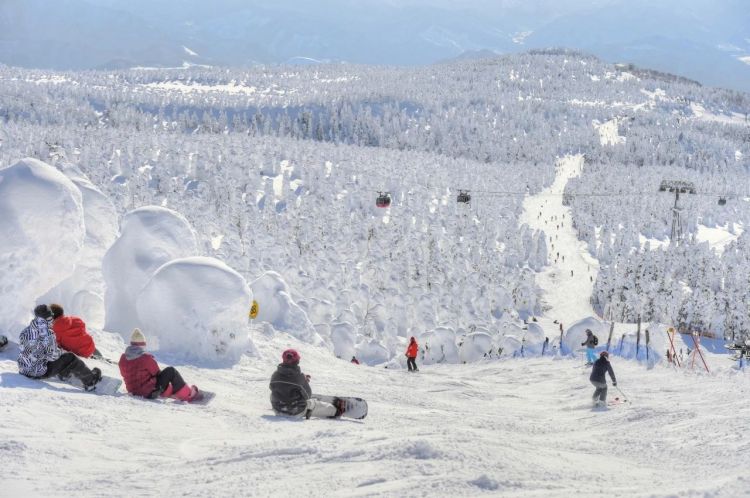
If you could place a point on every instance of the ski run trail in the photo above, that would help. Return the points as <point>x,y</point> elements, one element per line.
<point>512,427</point>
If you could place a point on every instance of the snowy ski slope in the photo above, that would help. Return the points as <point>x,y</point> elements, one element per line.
<point>521,427</point>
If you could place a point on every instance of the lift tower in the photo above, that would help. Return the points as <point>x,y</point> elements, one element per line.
<point>677,187</point>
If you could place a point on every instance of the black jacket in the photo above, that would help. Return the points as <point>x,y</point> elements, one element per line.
<point>601,366</point>
<point>289,390</point>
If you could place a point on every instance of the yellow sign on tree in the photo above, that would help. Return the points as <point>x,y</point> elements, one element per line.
<point>254,310</point>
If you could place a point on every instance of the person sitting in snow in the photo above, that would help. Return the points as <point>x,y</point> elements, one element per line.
<point>590,343</point>
<point>143,377</point>
<point>71,335</point>
<point>355,360</point>
<point>41,358</point>
<point>597,378</point>
<point>411,355</point>
<point>291,393</point>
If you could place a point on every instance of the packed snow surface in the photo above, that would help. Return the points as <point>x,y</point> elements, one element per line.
<point>41,236</point>
<point>516,427</point>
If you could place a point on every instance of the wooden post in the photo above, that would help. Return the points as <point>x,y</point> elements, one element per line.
<point>638,339</point>
<point>611,330</point>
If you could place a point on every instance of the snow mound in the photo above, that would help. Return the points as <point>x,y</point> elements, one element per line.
<point>41,236</point>
<point>372,352</point>
<point>275,306</point>
<point>439,346</point>
<point>343,337</point>
<point>197,309</point>
<point>475,347</point>
<point>576,334</point>
<point>149,237</point>
<point>82,293</point>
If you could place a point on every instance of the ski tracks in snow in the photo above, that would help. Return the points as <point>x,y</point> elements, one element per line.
<point>567,281</point>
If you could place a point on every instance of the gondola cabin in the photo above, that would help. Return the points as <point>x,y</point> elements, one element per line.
<point>383,200</point>
<point>463,197</point>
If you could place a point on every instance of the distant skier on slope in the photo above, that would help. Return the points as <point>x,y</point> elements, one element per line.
<point>411,355</point>
<point>71,334</point>
<point>597,378</point>
<point>40,358</point>
<point>291,393</point>
<point>143,377</point>
<point>590,343</point>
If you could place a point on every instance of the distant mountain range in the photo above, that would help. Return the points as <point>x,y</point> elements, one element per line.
<point>703,40</point>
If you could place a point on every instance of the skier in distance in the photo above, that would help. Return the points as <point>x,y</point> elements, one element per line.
<point>411,355</point>
<point>590,343</point>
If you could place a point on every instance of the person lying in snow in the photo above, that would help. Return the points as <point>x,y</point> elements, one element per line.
<point>40,357</point>
<point>71,335</point>
<point>143,377</point>
<point>291,393</point>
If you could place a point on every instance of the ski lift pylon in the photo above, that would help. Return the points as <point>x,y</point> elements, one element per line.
<point>383,200</point>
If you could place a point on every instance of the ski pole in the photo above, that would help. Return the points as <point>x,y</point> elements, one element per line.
<point>627,398</point>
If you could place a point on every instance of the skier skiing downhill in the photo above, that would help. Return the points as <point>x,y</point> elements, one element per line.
<point>143,377</point>
<point>291,393</point>
<point>41,358</point>
<point>598,379</point>
<point>590,343</point>
<point>411,355</point>
<point>71,335</point>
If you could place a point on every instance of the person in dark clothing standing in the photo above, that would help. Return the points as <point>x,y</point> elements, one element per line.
<point>291,393</point>
<point>598,379</point>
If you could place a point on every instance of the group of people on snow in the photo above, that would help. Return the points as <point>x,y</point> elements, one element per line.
<point>54,343</point>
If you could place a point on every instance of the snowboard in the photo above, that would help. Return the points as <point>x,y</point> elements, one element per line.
<point>203,398</point>
<point>355,408</point>
<point>106,386</point>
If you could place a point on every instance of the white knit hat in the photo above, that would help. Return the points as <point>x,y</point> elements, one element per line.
<point>137,339</point>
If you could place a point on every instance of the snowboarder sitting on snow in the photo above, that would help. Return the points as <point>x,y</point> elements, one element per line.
<point>590,343</point>
<point>40,358</point>
<point>143,377</point>
<point>71,335</point>
<point>291,393</point>
<point>411,355</point>
<point>355,360</point>
<point>597,378</point>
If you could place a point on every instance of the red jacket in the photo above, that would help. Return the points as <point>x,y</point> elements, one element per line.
<point>139,370</point>
<point>411,351</point>
<point>71,335</point>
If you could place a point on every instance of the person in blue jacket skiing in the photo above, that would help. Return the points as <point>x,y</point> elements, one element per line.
<point>598,379</point>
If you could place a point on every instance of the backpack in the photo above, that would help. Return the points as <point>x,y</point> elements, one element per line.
<point>596,340</point>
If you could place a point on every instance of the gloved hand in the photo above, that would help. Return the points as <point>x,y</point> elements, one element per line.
<point>307,377</point>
